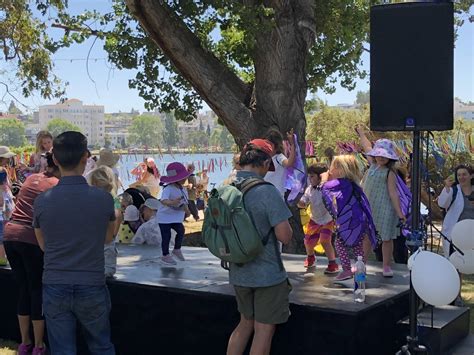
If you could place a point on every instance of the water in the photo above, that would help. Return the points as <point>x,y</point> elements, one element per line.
<point>219,165</point>
<point>359,281</point>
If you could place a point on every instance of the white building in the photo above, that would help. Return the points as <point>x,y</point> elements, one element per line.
<point>89,118</point>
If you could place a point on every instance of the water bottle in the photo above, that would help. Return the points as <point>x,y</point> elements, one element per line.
<point>359,281</point>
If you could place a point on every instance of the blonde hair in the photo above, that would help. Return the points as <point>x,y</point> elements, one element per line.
<point>39,140</point>
<point>103,177</point>
<point>349,167</point>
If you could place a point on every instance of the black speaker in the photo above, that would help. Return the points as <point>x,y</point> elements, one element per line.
<point>411,66</point>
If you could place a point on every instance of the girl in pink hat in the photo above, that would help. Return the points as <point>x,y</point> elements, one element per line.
<point>172,211</point>
<point>380,186</point>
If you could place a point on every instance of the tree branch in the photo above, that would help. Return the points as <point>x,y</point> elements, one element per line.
<point>219,87</point>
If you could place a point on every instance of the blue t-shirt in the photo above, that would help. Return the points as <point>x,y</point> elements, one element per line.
<point>73,218</point>
<point>265,205</point>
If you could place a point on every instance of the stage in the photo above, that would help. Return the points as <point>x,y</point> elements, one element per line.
<point>190,309</point>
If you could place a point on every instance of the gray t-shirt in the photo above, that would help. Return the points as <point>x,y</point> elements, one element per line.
<point>265,205</point>
<point>468,210</point>
<point>73,218</point>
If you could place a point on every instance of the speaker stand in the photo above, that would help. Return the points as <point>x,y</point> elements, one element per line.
<point>414,242</point>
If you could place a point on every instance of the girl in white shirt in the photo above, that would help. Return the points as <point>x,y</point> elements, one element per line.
<point>172,211</point>
<point>280,161</point>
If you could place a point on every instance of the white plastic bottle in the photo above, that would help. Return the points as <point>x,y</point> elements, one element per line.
<point>359,280</point>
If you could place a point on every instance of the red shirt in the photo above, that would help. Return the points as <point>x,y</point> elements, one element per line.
<point>20,228</point>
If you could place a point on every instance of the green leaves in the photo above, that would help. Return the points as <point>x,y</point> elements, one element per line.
<point>12,132</point>
<point>58,125</point>
<point>146,131</point>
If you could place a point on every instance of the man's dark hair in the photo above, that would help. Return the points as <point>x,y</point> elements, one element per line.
<point>68,149</point>
<point>253,156</point>
<point>317,169</point>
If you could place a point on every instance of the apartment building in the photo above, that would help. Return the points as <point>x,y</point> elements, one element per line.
<point>89,118</point>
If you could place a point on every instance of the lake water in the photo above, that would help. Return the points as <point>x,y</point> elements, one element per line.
<point>218,164</point>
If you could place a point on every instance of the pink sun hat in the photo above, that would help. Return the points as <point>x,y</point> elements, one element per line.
<point>383,148</point>
<point>175,172</point>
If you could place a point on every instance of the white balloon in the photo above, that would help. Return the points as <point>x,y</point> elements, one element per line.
<point>412,258</point>
<point>464,263</point>
<point>435,279</point>
<point>462,234</point>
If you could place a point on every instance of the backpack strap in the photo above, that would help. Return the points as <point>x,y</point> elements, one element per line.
<point>455,194</point>
<point>245,186</point>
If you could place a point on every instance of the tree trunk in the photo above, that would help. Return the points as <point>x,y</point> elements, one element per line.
<point>276,98</point>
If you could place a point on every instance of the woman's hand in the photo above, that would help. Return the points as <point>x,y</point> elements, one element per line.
<point>449,182</point>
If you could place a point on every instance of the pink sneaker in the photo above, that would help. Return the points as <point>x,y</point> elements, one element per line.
<point>39,351</point>
<point>344,275</point>
<point>387,271</point>
<point>168,260</point>
<point>178,254</point>
<point>25,349</point>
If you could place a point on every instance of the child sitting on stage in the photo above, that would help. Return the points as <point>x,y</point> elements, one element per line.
<point>350,208</point>
<point>131,223</point>
<point>321,224</point>
<point>149,232</point>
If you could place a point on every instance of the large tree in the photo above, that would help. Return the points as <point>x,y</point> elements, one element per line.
<point>251,61</point>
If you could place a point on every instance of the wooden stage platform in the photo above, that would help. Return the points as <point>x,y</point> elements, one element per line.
<point>190,309</point>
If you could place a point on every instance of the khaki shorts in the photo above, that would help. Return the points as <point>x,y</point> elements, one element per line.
<point>269,305</point>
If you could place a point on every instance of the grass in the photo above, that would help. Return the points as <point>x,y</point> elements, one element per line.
<point>8,347</point>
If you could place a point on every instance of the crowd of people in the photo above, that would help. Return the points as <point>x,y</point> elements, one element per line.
<point>59,233</point>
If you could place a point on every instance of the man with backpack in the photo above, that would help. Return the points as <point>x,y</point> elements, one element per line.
<point>261,285</point>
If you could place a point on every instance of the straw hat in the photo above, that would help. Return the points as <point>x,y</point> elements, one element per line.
<point>175,172</point>
<point>108,158</point>
<point>5,152</point>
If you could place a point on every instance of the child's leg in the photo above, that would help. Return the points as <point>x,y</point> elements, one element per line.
<point>165,230</point>
<point>179,229</point>
<point>387,252</point>
<point>343,255</point>
<point>325,238</point>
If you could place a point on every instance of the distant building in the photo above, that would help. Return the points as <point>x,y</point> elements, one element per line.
<point>203,120</point>
<point>117,139</point>
<point>31,130</point>
<point>89,118</point>
<point>5,116</point>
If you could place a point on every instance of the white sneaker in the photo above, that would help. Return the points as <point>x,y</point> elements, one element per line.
<point>178,254</point>
<point>168,260</point>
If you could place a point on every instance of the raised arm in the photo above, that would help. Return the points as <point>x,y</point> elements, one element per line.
<point>292,156</point>
<point>365,142</point>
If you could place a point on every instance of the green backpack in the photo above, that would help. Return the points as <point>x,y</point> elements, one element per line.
<point>228,230</point>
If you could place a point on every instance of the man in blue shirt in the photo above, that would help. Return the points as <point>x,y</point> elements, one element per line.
<point>261,286</point>
<point>72,222</point>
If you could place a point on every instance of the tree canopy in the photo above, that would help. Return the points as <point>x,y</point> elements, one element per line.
<point>146,131</point>
<point>12,132</point>
<point>251,61</point>
<point>58,125</point>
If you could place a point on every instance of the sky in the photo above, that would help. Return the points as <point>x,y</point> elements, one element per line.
<point>96,82</point>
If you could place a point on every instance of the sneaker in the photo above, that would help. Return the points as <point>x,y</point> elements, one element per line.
<point>332,269</point>
<point>178,254</point>
<point>3,261</point>
<point>387,271</point>
<point>309,261</point>
<point>344,275</point>
<point>168,260</point>
<point>39,351</point>
<point>24,349</point>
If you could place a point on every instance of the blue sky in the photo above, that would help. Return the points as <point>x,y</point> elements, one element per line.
<point>109,87</point>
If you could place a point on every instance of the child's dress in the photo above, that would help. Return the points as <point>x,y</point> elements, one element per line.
<point>376,189</point>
